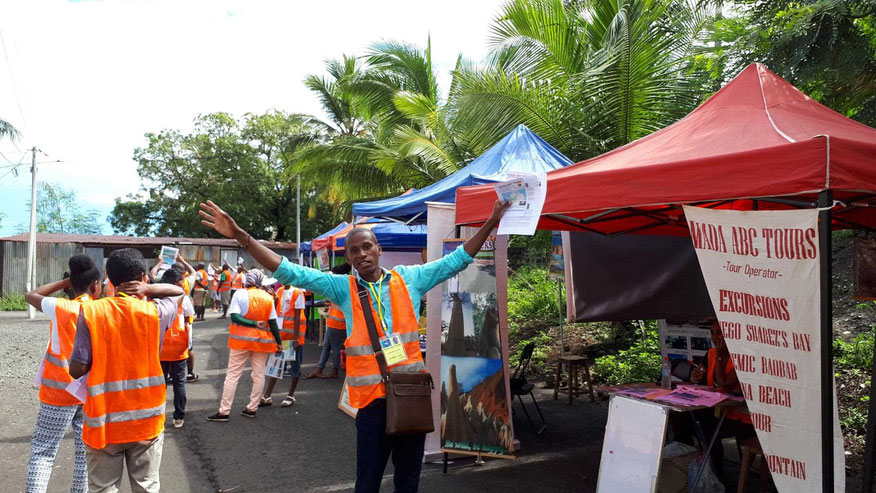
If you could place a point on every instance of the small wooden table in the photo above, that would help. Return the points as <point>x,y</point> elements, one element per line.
<point>573,388</point>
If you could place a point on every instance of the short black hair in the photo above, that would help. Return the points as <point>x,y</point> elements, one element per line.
<point>342,269</point>
<point>172,276</point>
<point>83,272</point>
<point>360,230</point>
<point>199,266</point>
<point>125,265</point>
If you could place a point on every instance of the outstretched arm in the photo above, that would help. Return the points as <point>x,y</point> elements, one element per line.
<point>474,244</point>
<point>224,224</point>
<point>189,269</point>
<point>154,271</point>
<point>35,298</point>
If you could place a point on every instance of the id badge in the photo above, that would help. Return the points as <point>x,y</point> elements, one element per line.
<point>393,350</point>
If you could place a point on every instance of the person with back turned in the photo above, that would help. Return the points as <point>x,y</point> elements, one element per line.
<point>394,298</point>
<point>117,344</point>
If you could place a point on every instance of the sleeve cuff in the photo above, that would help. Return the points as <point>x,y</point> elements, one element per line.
<point>463,255</point>
<point>284,271</point>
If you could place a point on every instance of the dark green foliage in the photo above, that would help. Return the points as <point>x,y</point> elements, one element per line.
<point>58,212</point>
<point>12,302</point>
<point>639,363</point>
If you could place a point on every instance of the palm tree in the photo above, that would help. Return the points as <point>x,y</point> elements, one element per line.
<point>7,130</point>
<point>587,75</point>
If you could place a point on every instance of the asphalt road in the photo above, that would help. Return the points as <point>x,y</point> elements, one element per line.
<point>309,447</point>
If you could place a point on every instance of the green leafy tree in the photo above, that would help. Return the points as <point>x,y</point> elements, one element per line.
<point>7,130</point>
<point>827,48</point>
<point>240,164</point>
<point>58,212</point>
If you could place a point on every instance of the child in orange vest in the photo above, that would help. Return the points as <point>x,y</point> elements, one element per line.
<point>293,328</point>
<point>117,344</point>
<point>175,348</point>
<point>58,408</point>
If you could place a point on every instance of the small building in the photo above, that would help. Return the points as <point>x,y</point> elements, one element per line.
<point>53,250</point>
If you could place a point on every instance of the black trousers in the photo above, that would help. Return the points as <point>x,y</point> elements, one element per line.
<point>374,446</point>
<point>177,371</point>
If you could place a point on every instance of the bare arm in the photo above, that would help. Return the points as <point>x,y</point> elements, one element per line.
<point>35,298</point>
<point>189,269</point>
<point>219,220</point>
<point>473,245</point>
<point>78,369</point>
<point>141,289</point>
<point>154,271</point>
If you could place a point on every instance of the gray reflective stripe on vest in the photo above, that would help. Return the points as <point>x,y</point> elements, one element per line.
<point>291,331</point>
<point>410,367</point>
<point>51,358</point>
<point>252,339</point>
<point>408,336</point>
<point>117,417</point>
<point>119,385</point>
<point>336,319</point>
<point>55,384</point>
<point>359,350</point>
<point>364,381</point>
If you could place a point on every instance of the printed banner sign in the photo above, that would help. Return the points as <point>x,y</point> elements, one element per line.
<point>557,268</point>
<point>761,269</point>
<point>474,403</point>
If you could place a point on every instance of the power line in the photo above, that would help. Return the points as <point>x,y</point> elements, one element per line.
<point>12,79</point>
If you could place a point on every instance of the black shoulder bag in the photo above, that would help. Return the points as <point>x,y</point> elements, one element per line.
<point>408,395</point>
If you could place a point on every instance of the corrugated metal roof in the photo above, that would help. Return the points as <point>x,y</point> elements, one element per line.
<point>120,240</point>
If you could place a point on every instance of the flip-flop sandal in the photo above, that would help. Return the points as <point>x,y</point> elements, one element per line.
<point>288,401</point>
<point>264,402</point>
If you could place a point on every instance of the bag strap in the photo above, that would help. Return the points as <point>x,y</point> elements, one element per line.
<point>365,301</point>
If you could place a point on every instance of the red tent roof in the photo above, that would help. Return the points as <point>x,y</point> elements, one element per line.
<point>758,137</point>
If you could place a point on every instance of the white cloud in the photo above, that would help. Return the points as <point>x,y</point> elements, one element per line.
<point>92,77</point>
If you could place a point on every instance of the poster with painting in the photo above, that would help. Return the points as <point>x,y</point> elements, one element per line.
<point>474,402</point>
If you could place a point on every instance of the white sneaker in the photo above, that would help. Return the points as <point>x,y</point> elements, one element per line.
<point>177,423</point>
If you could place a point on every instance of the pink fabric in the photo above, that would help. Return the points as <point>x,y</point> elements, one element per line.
<point>236,362</point>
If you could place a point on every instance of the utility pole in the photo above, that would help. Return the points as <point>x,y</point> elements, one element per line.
<point>298,219</point>
<point>31,242</point>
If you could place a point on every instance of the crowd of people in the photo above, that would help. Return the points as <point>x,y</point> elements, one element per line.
<point>115,347</point>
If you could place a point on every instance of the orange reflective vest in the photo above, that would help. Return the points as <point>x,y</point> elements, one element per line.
<point>363,373</point>
<point>278,298</point>
<point>202,278</point>
<point>226,284</point>
<point>56,368</point>
<point>250,338</point>
<point>237,283</point>
<point>175,346</point>
<point>110,289</point>
<point>288,332</point>
<point>126,389</point>
<point>335,318</point>
<point>710,381</point>
<point>214,283</point>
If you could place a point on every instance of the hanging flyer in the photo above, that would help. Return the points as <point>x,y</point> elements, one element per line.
<point>762,272</point>
<point>525,191</point>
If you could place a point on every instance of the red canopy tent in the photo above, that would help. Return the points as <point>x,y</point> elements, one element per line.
<point>758,143</point>
<point>757,138</point>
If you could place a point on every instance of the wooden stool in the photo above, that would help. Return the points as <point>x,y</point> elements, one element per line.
<point>573,388</point>
<point>750,449</point>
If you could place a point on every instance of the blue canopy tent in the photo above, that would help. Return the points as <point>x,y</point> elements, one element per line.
<point>519,151</point>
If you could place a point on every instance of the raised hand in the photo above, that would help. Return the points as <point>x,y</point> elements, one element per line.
<point>219,220</point>
<point>137,289</point>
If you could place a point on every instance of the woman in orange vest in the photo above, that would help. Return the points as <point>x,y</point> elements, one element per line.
<point>199,293</point>
<point>117,344</point>
<point>58,408</point>
<point>394,300</point>
<point>293,329</point>
<point>224,289</point>
<point>252,315</point>
<point>237,280</point>
<point>335,333</point>
<point>174,353</point>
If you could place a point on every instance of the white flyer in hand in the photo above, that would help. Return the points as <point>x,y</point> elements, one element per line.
<point>274,366</point>
<point>78,388</point>
<point>525,191</point>
<point>168,255</point>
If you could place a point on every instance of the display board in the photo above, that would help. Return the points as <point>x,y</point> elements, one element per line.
<point>475,417</point>
<point>762,272</point>
<point>684,341</point>
<point>344,401</point>
<point>632,448</point>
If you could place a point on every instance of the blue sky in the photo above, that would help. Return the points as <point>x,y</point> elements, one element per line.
<point>84,80</point>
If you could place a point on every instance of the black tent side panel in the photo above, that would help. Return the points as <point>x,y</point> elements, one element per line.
<point>632,277</point>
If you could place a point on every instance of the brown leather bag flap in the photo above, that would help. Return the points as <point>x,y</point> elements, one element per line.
<point>402,389</point>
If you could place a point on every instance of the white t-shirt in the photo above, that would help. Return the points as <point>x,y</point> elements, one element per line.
<point>188,310</point>
<point>287,298</point>
<point>240,304</point>
<point>48,307</point>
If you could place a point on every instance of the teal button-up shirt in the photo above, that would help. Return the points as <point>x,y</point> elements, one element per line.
<point>418,278</point>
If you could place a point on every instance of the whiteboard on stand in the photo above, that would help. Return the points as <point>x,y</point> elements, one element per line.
<point>632,447</point>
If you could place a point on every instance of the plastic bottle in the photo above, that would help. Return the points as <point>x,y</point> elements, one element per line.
<point>665,378</point>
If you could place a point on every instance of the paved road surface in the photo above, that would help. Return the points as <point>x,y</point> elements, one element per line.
<point>309,447</point>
